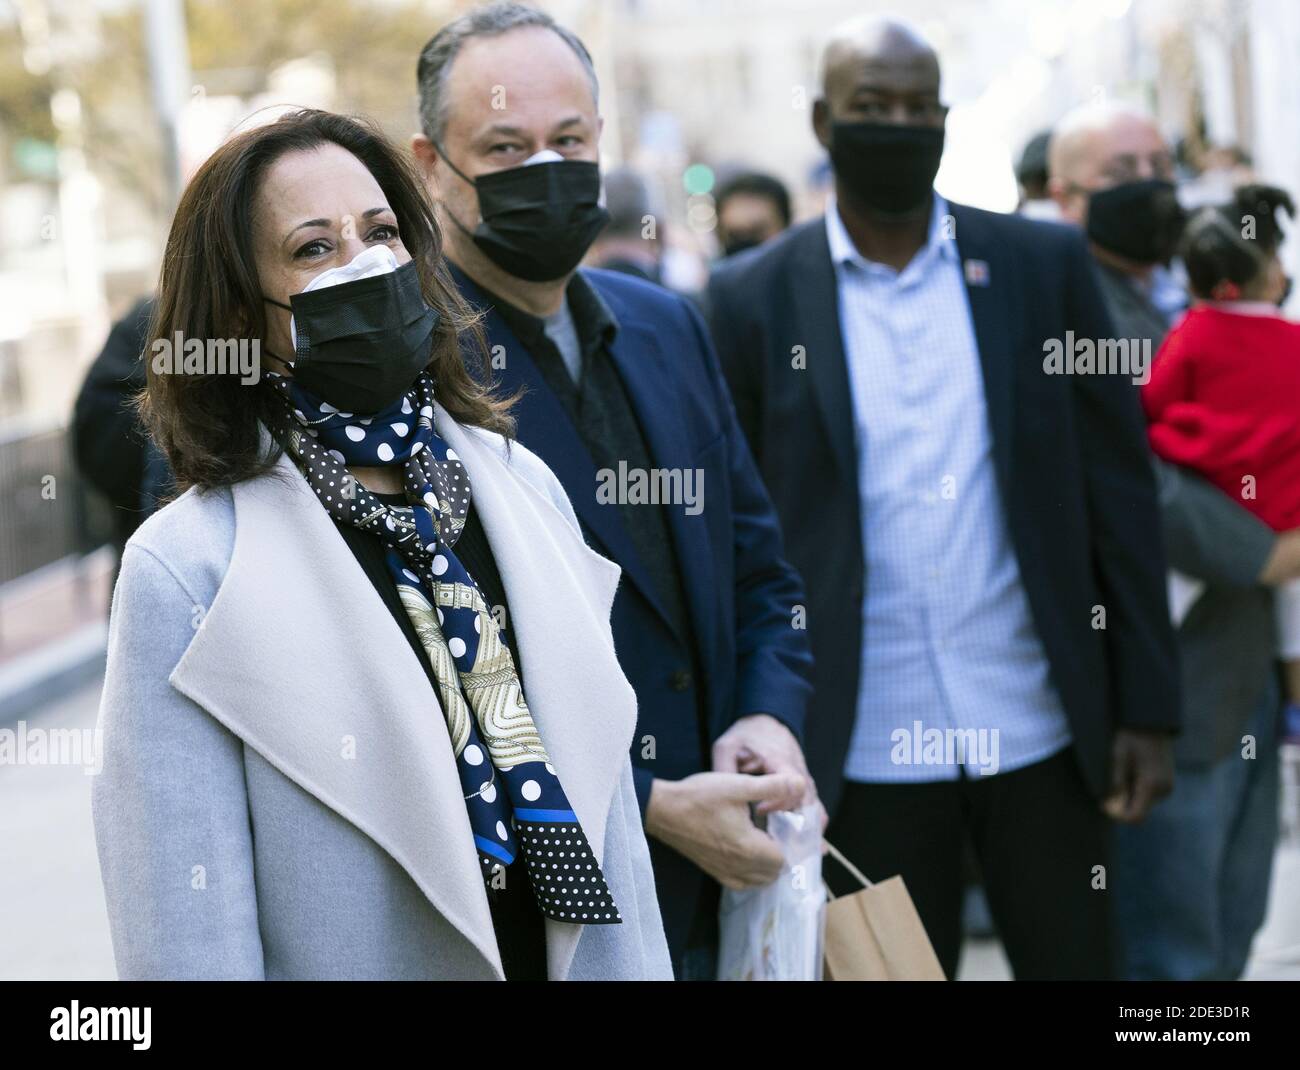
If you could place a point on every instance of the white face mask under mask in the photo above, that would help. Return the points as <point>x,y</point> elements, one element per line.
<point>544,156</point>
<point>377,260</point>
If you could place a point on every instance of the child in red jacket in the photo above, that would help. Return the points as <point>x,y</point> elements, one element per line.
<point>1224,393</point>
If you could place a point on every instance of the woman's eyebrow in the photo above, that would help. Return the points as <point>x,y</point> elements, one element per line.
<point>308,223</point>
<point>369,213</point>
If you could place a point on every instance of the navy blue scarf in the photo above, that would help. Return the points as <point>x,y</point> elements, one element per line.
<point>512,792</point>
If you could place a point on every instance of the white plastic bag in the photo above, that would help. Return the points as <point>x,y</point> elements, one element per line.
<point>775,933</point>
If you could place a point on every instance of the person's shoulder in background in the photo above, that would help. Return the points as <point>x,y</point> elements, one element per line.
<point>124,347</point>
<point>106,431</point>
<point>757,266</point>
<point>1221,335</point>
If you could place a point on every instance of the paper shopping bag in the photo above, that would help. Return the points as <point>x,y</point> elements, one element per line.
<point>876,934</point>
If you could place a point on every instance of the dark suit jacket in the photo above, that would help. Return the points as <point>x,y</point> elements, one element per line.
<point>740,592</point>
<point>1071,461</point>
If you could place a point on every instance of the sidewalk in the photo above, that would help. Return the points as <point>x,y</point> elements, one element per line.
<point>1275,956</point>
<point>53,921</point>
<point>54,925</point>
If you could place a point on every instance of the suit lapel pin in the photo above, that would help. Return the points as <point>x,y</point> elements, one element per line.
<point>977,272</point>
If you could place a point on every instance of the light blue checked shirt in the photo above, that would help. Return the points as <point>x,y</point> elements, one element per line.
<point>947,638</point>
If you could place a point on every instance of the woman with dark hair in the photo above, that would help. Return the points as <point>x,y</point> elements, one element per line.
<point>1224,393</point>
<point>362,716</point>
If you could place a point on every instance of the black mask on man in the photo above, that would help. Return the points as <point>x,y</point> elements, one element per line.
<point>1140,221</point>
<point>740,243</point>
<point>888,168</point>
<point>538,220</point>
<point>361,344</point>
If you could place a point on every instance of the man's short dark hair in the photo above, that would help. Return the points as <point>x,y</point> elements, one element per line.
<point>491,20</point>
<point>756,184</point>
<point>1032,171</point>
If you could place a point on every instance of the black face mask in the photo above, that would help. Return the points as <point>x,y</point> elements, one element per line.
<point>889,169</point>
<point>361,344</point>
<point>539,220</point>
<point>1140,221</point>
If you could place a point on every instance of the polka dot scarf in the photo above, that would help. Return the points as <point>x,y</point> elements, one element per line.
<point>512,791</point>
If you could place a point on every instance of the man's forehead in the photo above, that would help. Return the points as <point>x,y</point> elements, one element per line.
<point>1125,137</point>
<point>1129,133</point>
<point>519,76</point>
<point>859,69</point>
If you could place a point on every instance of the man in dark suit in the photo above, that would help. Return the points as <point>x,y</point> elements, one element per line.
<point>623,398</point>
<point>975,522</point>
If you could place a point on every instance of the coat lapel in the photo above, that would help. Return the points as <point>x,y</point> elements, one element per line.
<point>561,593</point>
<point>276,660</point>
<point>653,389</point>
<point>813,294</point>
<point>995,311</point>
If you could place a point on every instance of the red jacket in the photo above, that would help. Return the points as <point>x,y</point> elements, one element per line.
<point>1224,399</point>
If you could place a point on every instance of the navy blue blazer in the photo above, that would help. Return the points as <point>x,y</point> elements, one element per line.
<point>1071,459</point>
<point>741,595</point>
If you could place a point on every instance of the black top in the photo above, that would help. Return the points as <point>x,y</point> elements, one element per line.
<point>519,925</point>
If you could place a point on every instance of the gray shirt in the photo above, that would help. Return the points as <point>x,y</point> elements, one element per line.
<point>561,330</point>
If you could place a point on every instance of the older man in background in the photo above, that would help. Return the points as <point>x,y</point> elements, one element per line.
<point>1111,172</point>
<point>1191,885</point>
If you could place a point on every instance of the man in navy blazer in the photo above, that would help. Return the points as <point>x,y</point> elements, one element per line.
<point>974,515</point>
<point>622,396</point>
